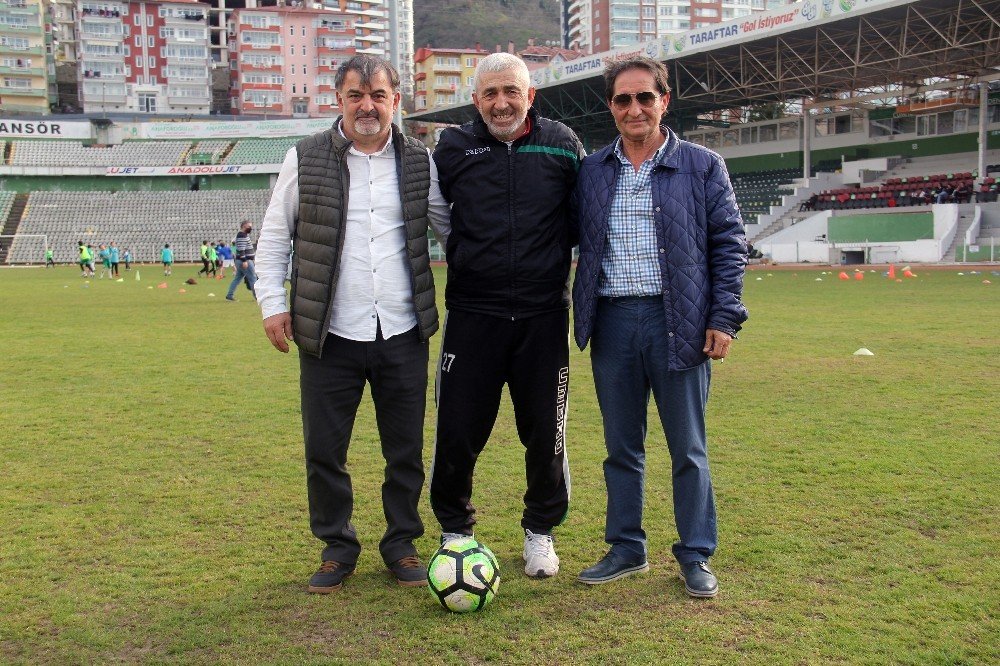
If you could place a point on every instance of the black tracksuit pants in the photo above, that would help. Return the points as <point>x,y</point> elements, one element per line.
<point>332,386</point>
<point>479,354</point>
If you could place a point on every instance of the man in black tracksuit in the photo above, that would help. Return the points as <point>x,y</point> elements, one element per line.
<point>508,176</point>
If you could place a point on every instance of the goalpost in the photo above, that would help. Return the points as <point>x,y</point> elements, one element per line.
<point>25,248</point>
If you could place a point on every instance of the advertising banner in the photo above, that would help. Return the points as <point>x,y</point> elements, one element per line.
<point>44,129</point>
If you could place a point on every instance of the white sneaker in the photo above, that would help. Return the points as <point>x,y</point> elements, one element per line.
<point>540,559</point>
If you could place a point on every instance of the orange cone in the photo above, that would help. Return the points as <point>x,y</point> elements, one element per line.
<point>892,271</point>
<point>844,276</point>
<point>909,273</point>
<point>859,276</point>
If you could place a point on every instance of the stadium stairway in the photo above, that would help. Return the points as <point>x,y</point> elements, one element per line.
<point>12,222</point>
<point>966,213</point>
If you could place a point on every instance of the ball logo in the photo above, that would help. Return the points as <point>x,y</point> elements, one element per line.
<point>847,5</point>
<point>653,49</point>
<point>680,43</point>
<point>809,10</point>
<point>827,7</point>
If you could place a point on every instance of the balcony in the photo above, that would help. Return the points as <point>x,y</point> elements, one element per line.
<point>184,19</point>
<point>23,71</point>
<point>29,50</point>
<point>380,39</point>
<point>103,57</point>
<point>24,92</point>
<point>18,29</point>
<point>101,101</point>
<point>183,100</point>
<point>102,76</point>
<point>115,14</point>
<point>19,8</point>
<point>420,76</point>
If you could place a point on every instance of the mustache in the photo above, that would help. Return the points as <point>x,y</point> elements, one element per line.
<point>367,114</point>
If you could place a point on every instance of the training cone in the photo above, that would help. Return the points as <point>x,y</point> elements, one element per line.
<point>120,280</point>
<point>162,285</point>
<point>182,291</point>
<point>137,276</point>
<point>859,276</point>
<point>909,273</point>
<point>818,280</point>
<point>892,271</point>
<point>987,282</point>
<point>844,276</point>
<point>864,351</point>
<point>211,295</point>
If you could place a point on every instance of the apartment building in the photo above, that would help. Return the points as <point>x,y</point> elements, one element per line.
<point>440,75</point>
<point>143,57</point>
<point>603,25</point>
<point>283,60</point>
<point>26,70</point>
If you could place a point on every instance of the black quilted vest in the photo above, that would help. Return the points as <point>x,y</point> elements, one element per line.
<point>324,183</point>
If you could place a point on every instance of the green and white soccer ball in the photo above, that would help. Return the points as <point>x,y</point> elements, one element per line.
<point>463,575</point>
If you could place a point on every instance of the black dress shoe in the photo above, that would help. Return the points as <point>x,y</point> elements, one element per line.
<point>409,571</point>
<point>329,577</point>
<point>699,581</point>
<point>612,567</point>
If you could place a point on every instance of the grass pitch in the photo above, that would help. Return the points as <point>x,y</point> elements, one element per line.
<point>153,502</point>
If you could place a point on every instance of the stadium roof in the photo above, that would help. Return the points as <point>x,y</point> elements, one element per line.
<point>814,50</point>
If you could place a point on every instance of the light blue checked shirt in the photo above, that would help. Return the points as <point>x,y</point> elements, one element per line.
<point>631,265</point>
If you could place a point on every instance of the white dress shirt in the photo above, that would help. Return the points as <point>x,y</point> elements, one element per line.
<point>374,286</point>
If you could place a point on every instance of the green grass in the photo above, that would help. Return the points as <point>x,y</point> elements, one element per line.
<point>153,509</point>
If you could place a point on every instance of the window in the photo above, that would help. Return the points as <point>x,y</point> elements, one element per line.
<point>291,31</point>
<point>303,31</point>
<point>293,88</point>
<point>137,20</point>
<point>149,20</point>
<point>152,62</point>
<point>150,41</point>
<point>138,41</point>
<point>152,80</point>
<point>303,49</point>
<point>305,89</point>
<point>293,68</point>
<point>139,62</point>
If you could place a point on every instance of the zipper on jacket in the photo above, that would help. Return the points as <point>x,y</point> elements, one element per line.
<point>510,228</point>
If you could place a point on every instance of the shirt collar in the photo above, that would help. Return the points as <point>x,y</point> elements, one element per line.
<point>355,151</point>
<point>655,157</point>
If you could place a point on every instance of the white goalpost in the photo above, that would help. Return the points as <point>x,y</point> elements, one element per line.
<point>25,249</point>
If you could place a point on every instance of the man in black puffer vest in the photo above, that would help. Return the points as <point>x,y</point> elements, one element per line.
<point>355,202</point>
<point>509,175</point>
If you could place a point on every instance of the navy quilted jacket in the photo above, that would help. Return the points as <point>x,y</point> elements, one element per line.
<point>700,234</point>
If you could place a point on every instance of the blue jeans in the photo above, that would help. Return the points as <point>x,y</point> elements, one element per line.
<point>629,357</point>
<point>249,273</point>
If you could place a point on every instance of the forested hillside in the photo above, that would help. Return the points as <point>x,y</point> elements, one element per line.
<point>462,23</point>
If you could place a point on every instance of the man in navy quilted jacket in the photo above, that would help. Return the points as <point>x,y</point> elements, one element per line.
<point>657,292</point>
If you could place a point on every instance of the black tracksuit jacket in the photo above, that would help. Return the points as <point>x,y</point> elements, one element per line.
<point>511,241</point>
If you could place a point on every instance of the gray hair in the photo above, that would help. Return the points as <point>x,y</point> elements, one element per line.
<point>367,66</point>
<point>501,62</point>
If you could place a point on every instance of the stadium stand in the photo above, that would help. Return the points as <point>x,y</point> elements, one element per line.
<point>757,192</point>
<point>261,151</point>
<point>208,152</point>
<point>140,221</point>
<point>6,201</point>
<point>34,152</point>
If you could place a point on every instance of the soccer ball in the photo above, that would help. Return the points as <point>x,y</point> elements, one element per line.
<point>463,575</point>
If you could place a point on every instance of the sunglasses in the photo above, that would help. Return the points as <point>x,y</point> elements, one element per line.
<point>645,99</point>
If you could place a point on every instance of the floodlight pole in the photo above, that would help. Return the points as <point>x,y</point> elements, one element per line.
<point>984,93</point>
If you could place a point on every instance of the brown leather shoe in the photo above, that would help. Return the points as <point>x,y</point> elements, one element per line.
<point>409,571</point>
<point>329,577</point>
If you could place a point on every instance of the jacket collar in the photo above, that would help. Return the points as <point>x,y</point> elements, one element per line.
<point>669,157</point>
<point>480,129</point>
